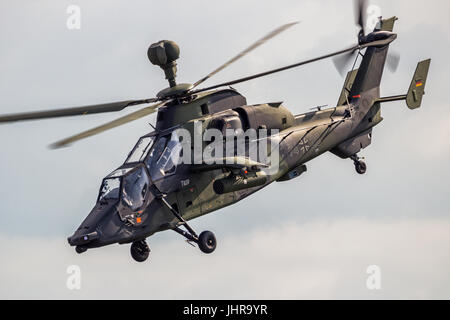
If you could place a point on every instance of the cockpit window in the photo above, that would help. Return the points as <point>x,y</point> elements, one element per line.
<point>130,185</point>
<point>134,189</point>
<point>164,157</point>
<point>156,152</point>
<point>110,189</point>
<point>119,172</point>
<point>140,150</point>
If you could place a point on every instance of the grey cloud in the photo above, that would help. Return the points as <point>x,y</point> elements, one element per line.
<point>325,259</point>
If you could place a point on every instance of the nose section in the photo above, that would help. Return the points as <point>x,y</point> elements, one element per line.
<point>81,239</point>
<point>89,234</point>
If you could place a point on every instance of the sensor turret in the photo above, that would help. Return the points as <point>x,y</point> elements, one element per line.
<point>164,54</point>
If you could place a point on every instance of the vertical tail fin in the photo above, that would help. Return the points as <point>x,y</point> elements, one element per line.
<point>343,98</point>
<point>372,65</point>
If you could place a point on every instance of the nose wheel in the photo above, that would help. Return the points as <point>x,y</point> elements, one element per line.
<point>140,251</point>
<point>360,165</point>
<point>80,249</point>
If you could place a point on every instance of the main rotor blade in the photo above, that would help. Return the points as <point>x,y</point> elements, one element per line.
<point>360,13</point>
<point>76,111</point>
<point>262,74</point>
<point>243,53</point>
<point>115,123</point>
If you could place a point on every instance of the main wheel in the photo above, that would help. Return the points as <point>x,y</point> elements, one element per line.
<point>139,251</point>
<point>207,241</point>
<point>361,167</point>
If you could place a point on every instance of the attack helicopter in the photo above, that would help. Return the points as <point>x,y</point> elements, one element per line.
<point>152,191</point>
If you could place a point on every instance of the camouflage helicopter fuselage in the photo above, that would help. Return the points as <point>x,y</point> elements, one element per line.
<point>194,190</point>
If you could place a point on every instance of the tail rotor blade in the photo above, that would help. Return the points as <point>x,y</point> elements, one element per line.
<point>342,62</point>
<point>360,13</point>
<point>393,59</point>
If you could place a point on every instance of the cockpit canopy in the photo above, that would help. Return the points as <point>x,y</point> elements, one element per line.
<point>153,158</point>
<point>141,149</point>
<point>160,155</point>
<point>130,185</point>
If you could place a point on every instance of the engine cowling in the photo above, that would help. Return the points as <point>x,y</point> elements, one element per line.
<point>266,116</point>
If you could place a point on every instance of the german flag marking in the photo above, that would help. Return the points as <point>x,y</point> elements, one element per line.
<point>419,83</point>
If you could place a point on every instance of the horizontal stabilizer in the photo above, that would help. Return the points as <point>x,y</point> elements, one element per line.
<point>416,89</point>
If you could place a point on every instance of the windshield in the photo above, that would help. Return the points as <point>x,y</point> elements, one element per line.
<point>129,184</point>
<point>140,150</point>
<point>164,157</point>
<point>110,189</point>
<point>119,172</point>
<point>134,188</point>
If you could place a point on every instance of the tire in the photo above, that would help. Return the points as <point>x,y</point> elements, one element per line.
<point>207,242</point>
<point>361,167</point>
<point>139,251</point>
<point>80,250</point>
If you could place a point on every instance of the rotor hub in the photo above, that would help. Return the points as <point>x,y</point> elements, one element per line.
<point>174,91</point>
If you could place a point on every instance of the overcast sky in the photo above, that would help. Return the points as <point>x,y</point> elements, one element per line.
<point>312,237</point>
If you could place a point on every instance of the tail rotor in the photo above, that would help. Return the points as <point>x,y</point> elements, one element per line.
<point>377,37</point>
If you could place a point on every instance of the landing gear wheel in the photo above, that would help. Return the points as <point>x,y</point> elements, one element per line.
<point>140,251</point>
<point>360,167</point>
<point>207,241</point>
<point>80,250</point>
